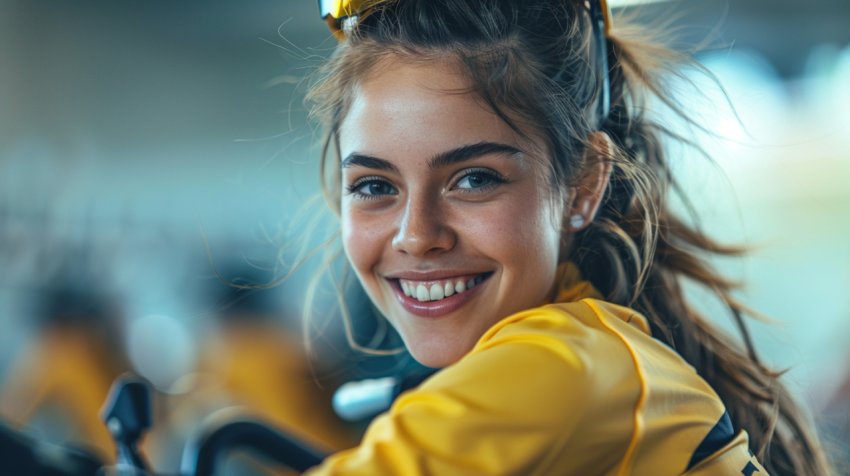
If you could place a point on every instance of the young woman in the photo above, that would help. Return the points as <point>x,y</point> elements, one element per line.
<point>503,204</point>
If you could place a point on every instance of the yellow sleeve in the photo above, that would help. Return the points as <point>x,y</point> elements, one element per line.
<point>509,407</point>
<point>734,458</point>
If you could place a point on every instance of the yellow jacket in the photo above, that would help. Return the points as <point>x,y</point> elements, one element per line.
<point>578,387</point>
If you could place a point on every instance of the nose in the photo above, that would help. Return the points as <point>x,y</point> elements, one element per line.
<point>424,231</point>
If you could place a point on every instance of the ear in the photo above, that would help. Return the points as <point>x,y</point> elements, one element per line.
<point>586,197</point>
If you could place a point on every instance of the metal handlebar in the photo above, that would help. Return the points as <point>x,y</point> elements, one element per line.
<point>201,456</point>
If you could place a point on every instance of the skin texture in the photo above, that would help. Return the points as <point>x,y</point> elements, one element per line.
<point>418,218</point>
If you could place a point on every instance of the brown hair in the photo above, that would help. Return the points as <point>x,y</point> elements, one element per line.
<point>533,63</point>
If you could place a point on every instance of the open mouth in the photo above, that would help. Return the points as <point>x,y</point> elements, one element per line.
<point>438,297</point>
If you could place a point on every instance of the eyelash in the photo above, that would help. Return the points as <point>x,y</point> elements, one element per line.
<point>497,179</point>
<point>354,188</point>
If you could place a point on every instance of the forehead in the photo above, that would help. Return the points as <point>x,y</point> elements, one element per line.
<point>415,110</point>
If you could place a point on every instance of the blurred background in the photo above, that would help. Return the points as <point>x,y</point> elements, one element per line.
<point>140,140</point>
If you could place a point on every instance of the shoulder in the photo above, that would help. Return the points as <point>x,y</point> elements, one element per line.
<point>550,380</point>
<point>556,359</point>
<point>551,390</point>
<point>575,335</point>
<point>564,320</point>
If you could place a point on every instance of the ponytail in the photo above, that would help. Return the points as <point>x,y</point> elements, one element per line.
<point>637,253</point>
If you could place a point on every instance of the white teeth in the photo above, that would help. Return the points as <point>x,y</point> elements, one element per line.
<point>460,287</point>
<point>422,293</point>
<point>437,292</point>
<point>449,289</point>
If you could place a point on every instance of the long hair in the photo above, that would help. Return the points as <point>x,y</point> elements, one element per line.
<point>534,64</point>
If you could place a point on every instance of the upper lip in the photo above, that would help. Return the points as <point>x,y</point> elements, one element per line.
<point>431,275</point>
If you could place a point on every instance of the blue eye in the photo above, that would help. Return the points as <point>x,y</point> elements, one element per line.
<point>475,180</point>
<point>374,189</point>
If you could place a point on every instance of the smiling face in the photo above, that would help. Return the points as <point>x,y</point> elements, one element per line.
<point>445,221</point>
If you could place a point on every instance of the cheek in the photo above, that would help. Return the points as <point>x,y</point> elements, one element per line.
<point>518,233</point>
<point>364,238</point>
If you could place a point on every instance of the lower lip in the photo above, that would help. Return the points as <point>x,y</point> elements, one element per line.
<point>435,308</point>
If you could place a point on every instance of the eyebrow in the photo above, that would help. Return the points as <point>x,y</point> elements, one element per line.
<point>469,152</point>
<point>367,161</point>
<point>443,159</point>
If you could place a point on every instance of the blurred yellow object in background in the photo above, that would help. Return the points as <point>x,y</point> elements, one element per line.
<point>265,369</point>
<point>68,370</point>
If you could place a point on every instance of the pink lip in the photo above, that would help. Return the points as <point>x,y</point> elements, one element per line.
<point>435,308</point>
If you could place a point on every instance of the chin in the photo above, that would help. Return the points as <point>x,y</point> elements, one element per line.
<point>436,352</point>
<point>433,361</point>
